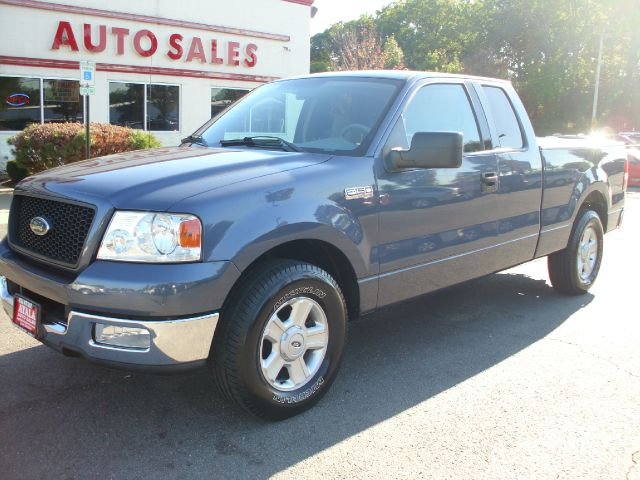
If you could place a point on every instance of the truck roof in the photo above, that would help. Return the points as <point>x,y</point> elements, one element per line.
<point>399,74</point>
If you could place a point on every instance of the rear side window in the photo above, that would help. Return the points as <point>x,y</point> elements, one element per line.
<point>506,122</point>
<point>442,108</point>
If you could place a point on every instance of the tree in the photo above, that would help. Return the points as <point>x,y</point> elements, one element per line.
<point>547,48</point>
<point>355,45</point>
<point>432,33</point>
<point>393,54</point>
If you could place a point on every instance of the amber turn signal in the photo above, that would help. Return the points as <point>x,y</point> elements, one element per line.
<point>190,233</point>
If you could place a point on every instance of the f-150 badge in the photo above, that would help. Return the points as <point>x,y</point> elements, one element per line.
<point>358,192</point>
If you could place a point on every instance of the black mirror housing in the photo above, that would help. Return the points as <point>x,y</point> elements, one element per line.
<point>430,150</point>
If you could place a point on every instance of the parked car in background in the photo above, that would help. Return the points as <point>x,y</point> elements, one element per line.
<point>632,139</point>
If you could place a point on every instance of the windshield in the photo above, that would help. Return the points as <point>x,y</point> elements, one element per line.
<point>328,115</point>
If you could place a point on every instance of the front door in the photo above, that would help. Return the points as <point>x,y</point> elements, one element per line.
<point>432,220</point>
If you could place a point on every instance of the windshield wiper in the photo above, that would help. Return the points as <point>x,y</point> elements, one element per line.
<point>197,139</point>
<point>261,141</point>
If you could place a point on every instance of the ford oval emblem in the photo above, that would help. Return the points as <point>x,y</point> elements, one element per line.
<point>39,226</point>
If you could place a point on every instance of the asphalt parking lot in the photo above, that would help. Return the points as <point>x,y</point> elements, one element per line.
<point>498,378</point>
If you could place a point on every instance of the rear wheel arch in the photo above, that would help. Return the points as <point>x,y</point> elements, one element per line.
<point>595,200</point>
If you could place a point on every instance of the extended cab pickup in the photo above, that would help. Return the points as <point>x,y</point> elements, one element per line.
<point>311,201</point>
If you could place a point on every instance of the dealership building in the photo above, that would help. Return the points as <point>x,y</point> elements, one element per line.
<point>161,66</point>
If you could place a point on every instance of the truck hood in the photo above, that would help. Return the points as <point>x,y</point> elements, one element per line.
<point>158,178</point>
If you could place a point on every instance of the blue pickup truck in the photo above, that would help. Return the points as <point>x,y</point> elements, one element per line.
<point>310,202</point>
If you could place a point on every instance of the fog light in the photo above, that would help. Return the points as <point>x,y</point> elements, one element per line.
<point>126,337</point>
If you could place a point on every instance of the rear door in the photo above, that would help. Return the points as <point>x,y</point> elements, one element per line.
<point>519,168</point>
<point>433,220</point>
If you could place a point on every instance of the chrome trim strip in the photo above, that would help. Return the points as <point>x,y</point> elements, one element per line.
<point>56,328</point>
<point>453,257</point>
<point>7,298</point>
<point>552,229</point>
<point>181,340</point>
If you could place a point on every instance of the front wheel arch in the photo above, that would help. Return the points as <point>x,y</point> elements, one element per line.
<point>316,252</point>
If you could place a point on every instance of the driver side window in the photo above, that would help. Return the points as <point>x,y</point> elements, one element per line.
<point>442,108</point>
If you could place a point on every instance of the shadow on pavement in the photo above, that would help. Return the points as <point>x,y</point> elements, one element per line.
<point>64,418</point>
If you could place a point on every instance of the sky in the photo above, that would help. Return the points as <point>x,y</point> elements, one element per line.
<point>333,11</point>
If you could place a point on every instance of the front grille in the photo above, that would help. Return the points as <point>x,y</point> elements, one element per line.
<point>70,224</point>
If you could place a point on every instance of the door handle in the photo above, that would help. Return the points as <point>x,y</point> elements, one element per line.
<point>490,181</point>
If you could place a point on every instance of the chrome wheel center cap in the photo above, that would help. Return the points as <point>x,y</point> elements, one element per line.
<point>292,343</point>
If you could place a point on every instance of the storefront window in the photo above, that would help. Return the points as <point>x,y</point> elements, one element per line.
<point>221,98</point>
<point>163,107</point>
<point>126,104</point>
<point>19,102</point>
<point>62,101</point>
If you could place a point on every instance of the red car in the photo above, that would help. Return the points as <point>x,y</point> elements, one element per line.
<point>632,139</point>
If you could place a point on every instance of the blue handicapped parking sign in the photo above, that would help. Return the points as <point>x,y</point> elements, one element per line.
<point>87,76</point>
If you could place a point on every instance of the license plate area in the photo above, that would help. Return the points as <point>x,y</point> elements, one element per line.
<point>26,314</point>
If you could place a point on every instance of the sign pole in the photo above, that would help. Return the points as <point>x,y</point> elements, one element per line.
<point>87,87</point>
<point>87,129</point>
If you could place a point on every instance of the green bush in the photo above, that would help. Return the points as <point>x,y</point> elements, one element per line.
<point>15,171</point>
<point>143,140</point>
<point>40,147</point>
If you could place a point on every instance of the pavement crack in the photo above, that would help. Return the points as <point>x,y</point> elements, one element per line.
<point>594,355</point>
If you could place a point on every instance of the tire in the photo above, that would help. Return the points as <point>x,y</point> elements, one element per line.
<point>574,270</point>
<point>282,314</point>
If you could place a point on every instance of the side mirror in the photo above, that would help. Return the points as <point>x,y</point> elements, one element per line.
<point>429,150</point>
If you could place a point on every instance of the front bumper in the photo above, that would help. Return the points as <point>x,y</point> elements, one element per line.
<point>185,341</point>
<point>177,304</point>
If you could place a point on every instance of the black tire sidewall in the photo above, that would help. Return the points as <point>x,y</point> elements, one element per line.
<point>330,300</point>
<point>588,219</point>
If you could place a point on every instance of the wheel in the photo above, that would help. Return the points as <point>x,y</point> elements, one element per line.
<point>279,342</point>
<point>575,269</point>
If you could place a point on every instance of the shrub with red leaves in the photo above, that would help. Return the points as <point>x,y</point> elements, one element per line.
<point>42,146</point>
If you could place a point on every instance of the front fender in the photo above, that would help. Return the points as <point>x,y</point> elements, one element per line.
<point>245,220</point>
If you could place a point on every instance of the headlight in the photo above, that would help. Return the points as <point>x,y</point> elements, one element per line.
<point>152,237</point>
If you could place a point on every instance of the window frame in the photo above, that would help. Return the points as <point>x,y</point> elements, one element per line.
<point>467,89</point>
<point>144,118</point>
<point>41,79</point>
<point>486,107</point>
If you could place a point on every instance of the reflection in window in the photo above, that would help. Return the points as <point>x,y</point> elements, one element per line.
<point>267,116</point>
<point>62,101</point>
<point>19,102</point>
<point>221,98</point>
<point>163,107</point>
<point>442,108</point>
<point>126,104</point>
<point>507,125</point>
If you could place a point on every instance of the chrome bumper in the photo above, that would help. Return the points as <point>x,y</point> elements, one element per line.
<point>173,342</point>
